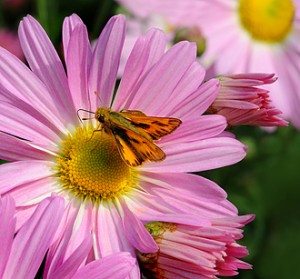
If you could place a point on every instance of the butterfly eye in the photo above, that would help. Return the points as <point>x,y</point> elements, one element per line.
<point>101,118</point>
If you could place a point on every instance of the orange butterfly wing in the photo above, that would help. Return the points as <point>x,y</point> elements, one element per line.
<point>151,127</point>
<point>134,148</point>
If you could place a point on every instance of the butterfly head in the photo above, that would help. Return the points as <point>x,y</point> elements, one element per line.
<point>102,115</point>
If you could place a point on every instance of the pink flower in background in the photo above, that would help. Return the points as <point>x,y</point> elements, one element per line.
<point>9,40</point>
<point>104,197</point>
<point>242,36</point>
<point>196,252</point>
<point>257,36</point>
<point>242,103</point>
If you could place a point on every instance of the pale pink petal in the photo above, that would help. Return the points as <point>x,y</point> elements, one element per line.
<point>33,191</point>
<point>17,122</point>
<point>105,60</point>
<point>68,26</point>
<point>197,128</point>
<point>163,77</point>
<point>17,79</point>
<point>7,229</point>
<point>14,149</point>
<point>57,251</point>
<point>136,232</point>
<point>109,232</point>
<point>117,266</point>
<point>199,156</point>
<point>77,61</point>
<point>18,173</point>
<point>45,63</point>
<point>33,239</point>
<point>70,266</point>
<point>146,52</point>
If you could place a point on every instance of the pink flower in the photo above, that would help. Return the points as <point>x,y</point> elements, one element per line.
<point>10,41</point>
<point>241,37</point>
<point>196,252</point>
<point>55,152</point>
<point>242,103</point>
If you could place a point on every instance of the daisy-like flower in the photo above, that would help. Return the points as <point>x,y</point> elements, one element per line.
<point>196,252</point>
<point>257,36</point>
<point>242,103</point>
<point>55,152</point>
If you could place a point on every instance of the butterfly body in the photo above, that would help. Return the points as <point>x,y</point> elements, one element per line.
<point>134,133</point>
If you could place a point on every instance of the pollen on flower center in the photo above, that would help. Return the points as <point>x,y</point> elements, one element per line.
<point>267,20</point>
<point>90,167</point>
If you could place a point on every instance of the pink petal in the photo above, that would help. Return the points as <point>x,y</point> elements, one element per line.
<point>72,263</point>
<point>106,58</point>
<point>163,77</point>
<point>197,102</point>
<point>7,229</point>
<point>69,25</point>
<point>77,60</point>
<point>136,232</point>
<point>45,63</point>
<point>14,149</point>
<point>18,122</point>
<point>20,82</point>
<point>195,129</point>
<point>199,156</point>
<point>117,266</point>
<point>22,172</point>
<point>146,52</point>
<point>33,239</point>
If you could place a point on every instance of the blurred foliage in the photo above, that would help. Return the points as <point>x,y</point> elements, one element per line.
<point>265,183</point>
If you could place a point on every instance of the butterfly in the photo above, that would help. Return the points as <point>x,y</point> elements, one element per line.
<point>134,133</point>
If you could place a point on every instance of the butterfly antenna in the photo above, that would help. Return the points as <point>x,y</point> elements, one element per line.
<point>85,118</point>
<point>98,96</point>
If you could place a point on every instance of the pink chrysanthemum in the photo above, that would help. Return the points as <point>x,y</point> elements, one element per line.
<point>55,152</point>
<point>243,103</point>
<point>22,255</point>
<point>196,252</point>
<point>257,36</point>
<point>242,36</point>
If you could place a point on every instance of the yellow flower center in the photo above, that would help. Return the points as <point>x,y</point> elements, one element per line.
<point>267,20</point>
<point>90,167</point>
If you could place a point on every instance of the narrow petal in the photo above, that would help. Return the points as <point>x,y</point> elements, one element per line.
<point>199,156</point>
<point>69,25</point>
<point>117,266</point>
<point>22,172</point>
<point>72,264</point>
<point>45,63</point>
<point>136,232</point>
<point>19,81</point>
<point>19,123</point>
<point>33,239</point>
<point>106,59</point>
<point>146,52</point>
<point>7,229</point>
<point>77,61</point>
<point>14,149</point>
<point>163,77</point>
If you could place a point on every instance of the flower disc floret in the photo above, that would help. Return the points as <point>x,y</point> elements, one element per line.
<point>90,166</point>
<point>267,20</point>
